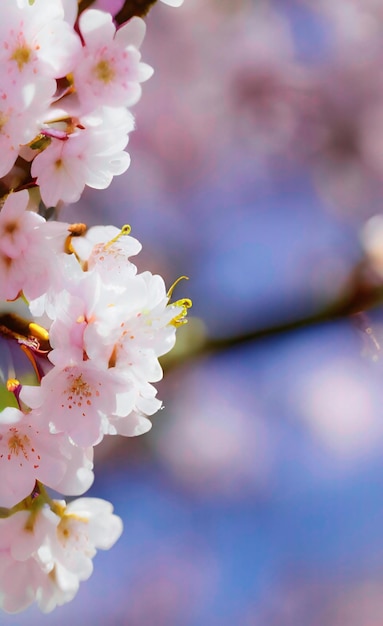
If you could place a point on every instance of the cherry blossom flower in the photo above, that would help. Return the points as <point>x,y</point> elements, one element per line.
<point>76,400</point>
<point>109,70</point>
<point>109,249</point>
<point>28,249</point>
<point>86,525</point>
<point>30,452</point>
<point>109,326</point>
<point>98,326</point>
<point>90,155</point>
<point>21,575</point>
<point>38,46</point>
<point>37,40</point>
<point>45,554</point>
<point>140,330</point>
<point>22,109</point>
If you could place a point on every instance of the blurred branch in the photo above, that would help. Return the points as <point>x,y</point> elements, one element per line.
<point>363,295</point>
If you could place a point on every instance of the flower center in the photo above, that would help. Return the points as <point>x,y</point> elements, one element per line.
<point>22,56</point>
<point>79,390</point>
<point>3,120</point>
<point>104,71</point>
<point>18,444</point>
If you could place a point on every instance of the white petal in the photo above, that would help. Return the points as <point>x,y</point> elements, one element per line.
<point>132,33</point>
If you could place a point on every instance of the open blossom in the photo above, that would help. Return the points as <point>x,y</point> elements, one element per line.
<point>134,332</point>
<point>86,524</point>
<point>30,452</point>
<point>93,79</point>
<point>110,391</point>
<point>76,400</point>
<point>37,42</point>
<point>21,575</point>
<point>37,47</point>
<point>28,251</point>
<point>109,327</point>
<point>90,155</point>
<point>98,326</point>
<point>22,110</point>
<point>44,556</point>
<point>104,247</point>
<point>109,71</point>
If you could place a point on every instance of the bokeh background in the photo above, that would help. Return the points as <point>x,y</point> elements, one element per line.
<point>257,170</point>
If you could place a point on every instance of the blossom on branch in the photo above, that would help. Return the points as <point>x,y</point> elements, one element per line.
<point>97,326</point>
<point>45,553</point>
<point>91,154</point>
<point>109,71</point>
<point>28,250</point>
<point>30,452</point>
<point>106,336</point>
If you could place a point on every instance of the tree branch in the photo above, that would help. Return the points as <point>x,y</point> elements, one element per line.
<point>363,295</point>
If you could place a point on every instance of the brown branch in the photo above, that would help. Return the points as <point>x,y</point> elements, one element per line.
<point>84,4</point>
<point>364,295</point>
<point>131,8</point>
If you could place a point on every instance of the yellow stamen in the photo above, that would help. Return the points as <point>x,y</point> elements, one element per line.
<point>12,384</point>
<point>38,331</point>
<point>174,285</point>
<point>17,443</point>
<point>75,230</point>
<point>3,120</point>
<point>22,56</point>
<point>179,320</point>
<point>104,71</point>
<point>125,230</point>
<point>78,229</point>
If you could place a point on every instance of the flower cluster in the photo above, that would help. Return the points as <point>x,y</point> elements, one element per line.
<point>45,552</point>
<point>95,361</point>
<point>66,85</point>
<point>96,326</point>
